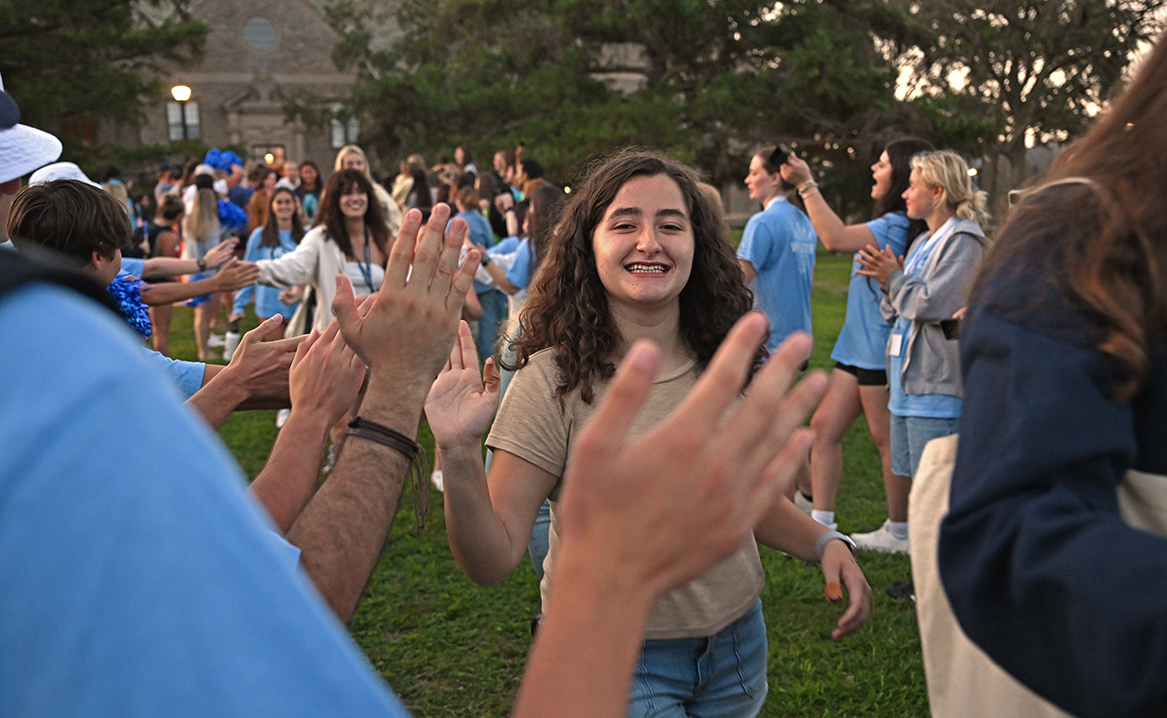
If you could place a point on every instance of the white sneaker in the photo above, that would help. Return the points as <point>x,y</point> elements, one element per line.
<point>436,480</point>
<point>216,340</point>
<point>282,417</point>
<point>801,503</point>
<point>880,540</point>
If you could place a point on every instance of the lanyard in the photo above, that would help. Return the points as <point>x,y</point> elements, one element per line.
<point>918,258</point>
<point>367,267</point>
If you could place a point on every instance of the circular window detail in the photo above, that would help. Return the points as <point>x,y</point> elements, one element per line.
<point>259,33</point>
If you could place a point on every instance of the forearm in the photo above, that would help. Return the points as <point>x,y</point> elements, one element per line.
<point>218,397</point>
<point>484,549</point>
<point>786,529</point>
<point>288,480</point>
<point>585,654</point>
<point>500,278</point>
<point>171,292</point>
<point>832,232</point>
<point>166,267</point>
<point>342,531</point>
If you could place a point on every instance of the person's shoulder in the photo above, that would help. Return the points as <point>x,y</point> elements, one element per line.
<point>889,221</point>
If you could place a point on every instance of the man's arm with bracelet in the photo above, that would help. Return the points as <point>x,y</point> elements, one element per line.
<point>404,334</point>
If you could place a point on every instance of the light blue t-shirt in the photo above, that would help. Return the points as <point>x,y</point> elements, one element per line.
<point>187,376</point>
<point>480,234</point>
<point>133,266</point>
<point>930,406</point>
<point>863,339</point>
<point>141,580</point>
<point>780,242</point>
<point>520,272</point>
<point>267,299</point>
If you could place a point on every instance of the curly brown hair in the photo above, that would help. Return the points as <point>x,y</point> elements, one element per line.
<point>567,308</point>
<point>329,214</point>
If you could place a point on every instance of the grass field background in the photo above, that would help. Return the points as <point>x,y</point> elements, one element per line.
<point>451,648</point>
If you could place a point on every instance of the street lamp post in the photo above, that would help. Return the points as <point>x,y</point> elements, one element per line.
<point>181,94</point>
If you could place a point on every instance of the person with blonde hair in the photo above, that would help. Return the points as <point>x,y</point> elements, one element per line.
<point>352,157</point>
<point>201,232</point>
<point>921,295</point>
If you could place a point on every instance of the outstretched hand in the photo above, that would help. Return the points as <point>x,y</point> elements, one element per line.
<point>460,406</point>
<point>405,331</point>
<point>236,274</point>
<point>325,376</point>
<point>261,367</point>
<point>219,254</point>
<point>661,509</point>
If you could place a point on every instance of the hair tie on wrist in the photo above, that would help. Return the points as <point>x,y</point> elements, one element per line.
<point>411,450</point>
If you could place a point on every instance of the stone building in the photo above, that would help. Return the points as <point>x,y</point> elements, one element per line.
<point>259,56</point>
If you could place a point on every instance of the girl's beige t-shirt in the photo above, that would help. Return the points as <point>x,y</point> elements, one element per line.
<point>531,425</point>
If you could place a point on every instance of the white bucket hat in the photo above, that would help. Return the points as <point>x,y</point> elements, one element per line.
<point>22,148</point>
<point>60,170</point>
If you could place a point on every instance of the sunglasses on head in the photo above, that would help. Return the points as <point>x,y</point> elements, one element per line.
<point>779,156</point>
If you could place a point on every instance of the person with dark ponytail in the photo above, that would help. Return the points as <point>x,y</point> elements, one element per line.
<point>859,380</point>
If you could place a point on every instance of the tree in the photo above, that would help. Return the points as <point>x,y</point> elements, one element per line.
<point>1036,70</point>
<point>91,59</point>
<point>719,76</point>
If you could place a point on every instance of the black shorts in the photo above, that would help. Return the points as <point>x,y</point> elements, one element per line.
<point>866,377</point>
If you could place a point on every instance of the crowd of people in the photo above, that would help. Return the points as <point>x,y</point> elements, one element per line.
<point>646,426</point>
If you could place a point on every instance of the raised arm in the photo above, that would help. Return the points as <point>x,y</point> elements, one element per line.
<point>324,380</point>
<point>832,231</point>
<point>489,525</point>
<point>404,334</point>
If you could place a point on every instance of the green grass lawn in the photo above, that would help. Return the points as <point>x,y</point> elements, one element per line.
<point>449,647</point>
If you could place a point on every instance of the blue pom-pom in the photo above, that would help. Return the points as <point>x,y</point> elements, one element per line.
<point>127,292</point>
<point>231,215</point>
<point>222,159</point>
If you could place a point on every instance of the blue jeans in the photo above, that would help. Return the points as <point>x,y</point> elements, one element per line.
<point>494,315</point>
<point>909,435</point>
<point>537,546</point>
<point>722,676</point>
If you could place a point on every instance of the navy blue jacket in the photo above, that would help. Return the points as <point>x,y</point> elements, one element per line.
<point>1040,570</point>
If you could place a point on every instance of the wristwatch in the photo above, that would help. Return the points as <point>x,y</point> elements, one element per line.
<point>202,264</point>
<point>828,536</point>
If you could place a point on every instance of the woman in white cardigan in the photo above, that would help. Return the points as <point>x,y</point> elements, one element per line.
<point>350,237</point>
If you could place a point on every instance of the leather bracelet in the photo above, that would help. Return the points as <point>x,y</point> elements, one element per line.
<point>826,537</point>
<point>407,447</point>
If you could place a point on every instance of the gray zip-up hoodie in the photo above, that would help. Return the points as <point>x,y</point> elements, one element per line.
<point>931,362</point>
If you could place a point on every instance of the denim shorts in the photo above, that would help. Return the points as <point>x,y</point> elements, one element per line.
<point>909,435</point>
<point>721,676</point>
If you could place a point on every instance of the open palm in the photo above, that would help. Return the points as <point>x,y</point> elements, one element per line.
<point>460,406</point>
